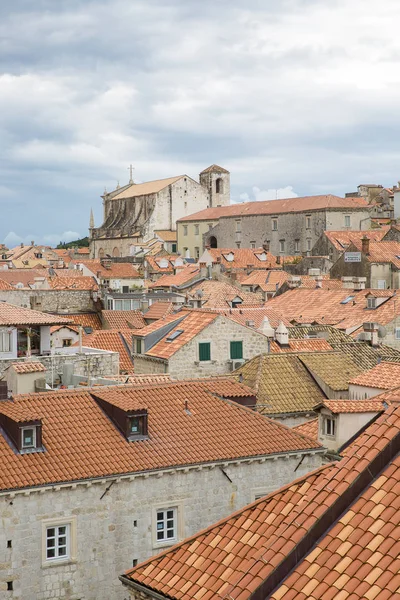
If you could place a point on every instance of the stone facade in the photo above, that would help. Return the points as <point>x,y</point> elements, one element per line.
<point>288,234</point>
<point>185,363</point>
<point>112,522</point>
<point>129,220</point>
<point>54,301</point>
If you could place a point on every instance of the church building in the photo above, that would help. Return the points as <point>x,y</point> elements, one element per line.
<point>134,213</point>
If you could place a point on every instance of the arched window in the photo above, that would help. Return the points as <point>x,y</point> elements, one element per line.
<point>213,242</point>
<point>219,186</point>
<point>101,253</point>
<point>115,252</point>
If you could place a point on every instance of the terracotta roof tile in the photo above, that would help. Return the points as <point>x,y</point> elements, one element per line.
<point>309,428</point>
<point>16,315</point>
<point>159,310</point>
<point>86,320</point>
<point>26,277</point>
<point>4,285</point>
<point>28,367</point>
<point>271,207</point>
<point>240,258</point>
<point>149,187</point>
<point>383,376</point>
<point>305,345</point>
<point>281,383</point>
<point>166,235</point>
<point>333,368</point>
<point>123,319</point>
<point>92,446</point>
<point>342,239</point>
<point>183,276</point>
<point>73,283</point>
<point>114,341</point>
<point>219,294</point>
<point>354,406</point>
<point>117,270</point>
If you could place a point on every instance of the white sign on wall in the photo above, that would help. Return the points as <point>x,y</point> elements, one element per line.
<point>352,257</point>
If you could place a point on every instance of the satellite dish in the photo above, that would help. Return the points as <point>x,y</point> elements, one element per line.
<point>382,331</point>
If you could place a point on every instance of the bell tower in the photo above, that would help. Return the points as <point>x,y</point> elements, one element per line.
<point>218,183</point>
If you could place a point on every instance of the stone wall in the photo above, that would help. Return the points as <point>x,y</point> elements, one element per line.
<point>115,524</point>
<point>292,227</point>
<point>99,363</point>
<point>185,364</point>
<point>54,301</point>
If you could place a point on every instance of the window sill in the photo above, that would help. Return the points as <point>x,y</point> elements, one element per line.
<point>168,544</point>
<point>58,563</point>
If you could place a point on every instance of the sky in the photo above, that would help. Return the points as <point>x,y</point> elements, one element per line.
<point>296,97</point>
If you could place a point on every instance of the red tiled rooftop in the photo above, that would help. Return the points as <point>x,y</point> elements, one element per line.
<point>123,319</point>
<point>159,310</point>
<point>28,367</point>
<point>354,406</point>
<point>81,442</point>
<point>385,376</point>
<point>16,315</point>
<point>114,341</point>
<point>305,345</point>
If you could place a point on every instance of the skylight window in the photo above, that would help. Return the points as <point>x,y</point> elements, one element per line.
<point>174,335</point>
<point>262,257</point>
<point>347,300</point>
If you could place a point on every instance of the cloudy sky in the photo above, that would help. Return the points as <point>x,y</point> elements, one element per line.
<point>293,97</point>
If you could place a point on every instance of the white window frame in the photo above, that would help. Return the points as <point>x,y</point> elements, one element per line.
<point>381,284</point>
<point>347,221</point>
<point>297,246</point>
<point>185,230</point>
<point>252,245</point>
<point>308,222</point>
<point>34,438</point>
<point>196,230</point>
<point>308,244</point>
<point>6,341</point>
<point>281,245</point>
<point>274,225</point>
<point>178,529</point>
<point>371,303</point>
<point>239,226</point>
<point>397,333</point>
<point>332,420</point>
<point>71,541</point>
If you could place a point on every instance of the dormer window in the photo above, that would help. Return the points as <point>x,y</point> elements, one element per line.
<point>28,438</point>
<point>371,302</point>
<point>136,426</point>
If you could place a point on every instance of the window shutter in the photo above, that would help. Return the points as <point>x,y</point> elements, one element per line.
<point>236,350</point>
<point>205,351</point>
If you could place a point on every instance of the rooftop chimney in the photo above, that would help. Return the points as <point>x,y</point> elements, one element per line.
<point>294,281</point>
<point>278,260</point>
<point>359,283</point>
<point>266,328</point>
<point>318,281</point>
<point>266,246</point>
<point>365,245</point>
<point>282,335</point>
<point>347,283</point>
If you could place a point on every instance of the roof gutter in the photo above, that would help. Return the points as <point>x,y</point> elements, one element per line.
<point>187,285</point>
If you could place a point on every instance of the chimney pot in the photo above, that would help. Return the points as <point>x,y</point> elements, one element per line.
<point>365,245</point>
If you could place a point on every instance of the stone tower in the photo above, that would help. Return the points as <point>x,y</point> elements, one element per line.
<point>217,181</point>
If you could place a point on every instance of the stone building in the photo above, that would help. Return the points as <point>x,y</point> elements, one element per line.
<point>195,344</point>
<point>136,212</point>
<point>287,227</point>
<point>95,479</point>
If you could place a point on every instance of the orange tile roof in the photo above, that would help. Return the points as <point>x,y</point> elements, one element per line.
<point>81,442</point>
<point>309,428</point>
<point>252,317</point>
<point>155,262</point>
<point>114,341</point>
<point>181,277</point>
<point>342,239</point>
<point>304,345</point>
<point>331,535</point>
<point>123,319</point>
<point>242,258</point>
<point>24,276</point>
<point>140,379</point>
<point>275,207</point>
<point>73,283</point>
<point>219,294</point>
<point>149,187</point>
<point>158,324</point>
<point>4,285</point>
<point>159,310</point>
<point>354,406</point>
<point>117,270</point>
<point>192,324</point>
<point>166,235</point>
<point>267,281</point>
<point>16,315</point>
<point>385,375</point>
<point>28,367</point>
<point>86,320</point>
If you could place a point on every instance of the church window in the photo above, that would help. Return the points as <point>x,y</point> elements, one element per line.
<point>219,186</point>
<point>115,252</point>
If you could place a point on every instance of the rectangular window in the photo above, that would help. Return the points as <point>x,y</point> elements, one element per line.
<point>197,252</point>
<point>138,346</point>
<point>329,426</point>
<point>274,224</point>
<point>204,351</point>
<point>126,305</point>
<point>28,437</point>
<point>252,245</point>
<point>125,289</point>
<point>308,244</point>
<point>281,245</point>
<point>238,226</point>
<point>173,248</point>
<point>5,341</point>
<point>57,542</point>
<point>371,302</point>
<point>185,229</point>
<point>381,284</point>
<point>397,333</point>
<point>67,342</point>
<point>196,230</point>
<point>297,245</point>
<point>236,350</point>
<point>118,304</point>
<point>166,525</point>
<point>347,221</point>
<point>308,222</point>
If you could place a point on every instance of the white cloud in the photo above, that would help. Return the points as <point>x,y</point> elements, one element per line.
<point>12,239</point>
<point>271,194</point>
